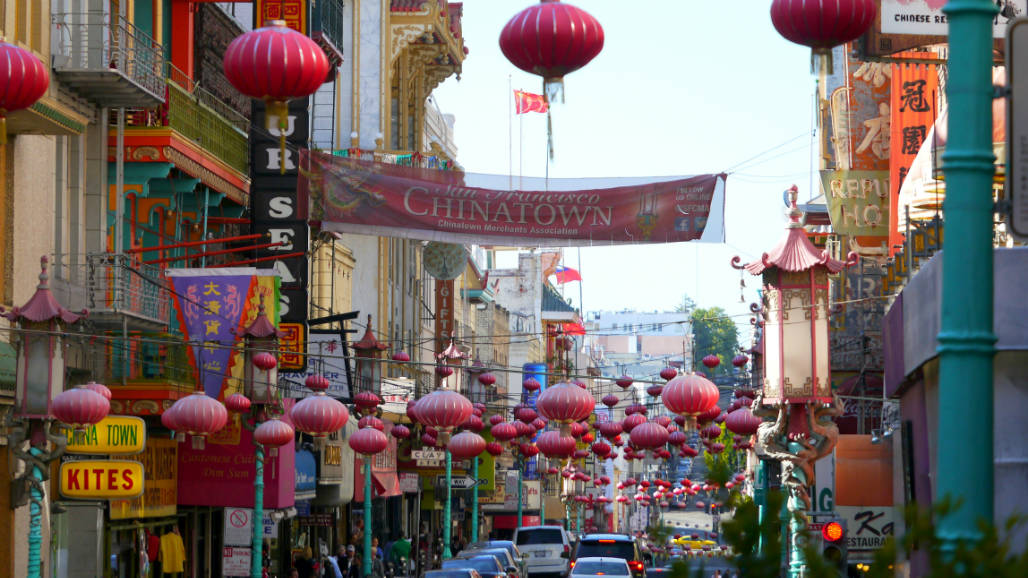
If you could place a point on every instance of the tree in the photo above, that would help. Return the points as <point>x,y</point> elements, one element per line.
<point>686,306</point>
<point>714,333</point>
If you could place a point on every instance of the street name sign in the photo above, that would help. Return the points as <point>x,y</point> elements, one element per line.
<point>1017,126</point>
<point>460,482</point>
<point>115,434</point>
<point>101,479</point>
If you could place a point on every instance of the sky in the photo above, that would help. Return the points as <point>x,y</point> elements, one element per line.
<point>680,88</point>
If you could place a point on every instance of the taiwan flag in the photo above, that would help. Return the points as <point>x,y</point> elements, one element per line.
<point>528,102</point>
<point>567,274</point>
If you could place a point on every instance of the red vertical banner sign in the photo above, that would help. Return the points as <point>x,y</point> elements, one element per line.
<point>444,318</point>
<point>914,102</point>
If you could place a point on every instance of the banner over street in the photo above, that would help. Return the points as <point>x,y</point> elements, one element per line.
<point>357,196</point>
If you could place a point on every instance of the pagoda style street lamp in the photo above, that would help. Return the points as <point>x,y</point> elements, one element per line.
<point>367,443</point>
<point>39,398</point>
<point>797,389</point>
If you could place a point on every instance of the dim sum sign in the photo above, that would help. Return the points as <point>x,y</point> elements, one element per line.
<point>858,202</point>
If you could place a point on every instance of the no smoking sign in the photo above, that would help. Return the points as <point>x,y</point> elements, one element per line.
<point>238,527</point>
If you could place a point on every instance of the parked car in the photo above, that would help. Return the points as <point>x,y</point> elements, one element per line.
<point>511,566</point>
<point>546,548</point>
<point>508,545</point>
<point>600,566</point>
<point>610,546</point>
<point>488,565</point>
<point>453,573</point>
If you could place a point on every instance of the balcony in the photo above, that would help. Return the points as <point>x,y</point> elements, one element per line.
<point>146,372</point>
<point>203,136</point>
<point>117,290</point>
<point>107,60</point>
<point>327,28</point>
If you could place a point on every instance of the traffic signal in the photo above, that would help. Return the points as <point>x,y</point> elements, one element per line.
<point>833,544</point>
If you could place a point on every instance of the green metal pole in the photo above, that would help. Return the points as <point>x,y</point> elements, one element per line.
<point>966,338</point>
<point>35,518</point>
<point>760,498</point>
<point>542,495</point>
<point>474,500</point>
<point>256,559</point>
<point>366,462</point>
<point>578,517</point>
<point>447,552</point>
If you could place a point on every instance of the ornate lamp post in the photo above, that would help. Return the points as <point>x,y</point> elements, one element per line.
<point>797,389</point>
<point>39,383</point>
<point>368,441</point>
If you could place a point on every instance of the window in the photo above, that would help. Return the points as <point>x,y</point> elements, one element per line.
<point>540,536</point>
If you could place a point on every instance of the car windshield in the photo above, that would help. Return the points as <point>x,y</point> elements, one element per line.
<point>600,567</point>
<point>481,563</point>
<point>540,536</point>
<point>502,555</point>
<point>605,549</point>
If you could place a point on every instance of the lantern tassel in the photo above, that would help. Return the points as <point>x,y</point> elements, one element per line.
<point>279,110</point>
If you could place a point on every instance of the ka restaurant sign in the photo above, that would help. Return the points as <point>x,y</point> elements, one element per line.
<point>116,434</point>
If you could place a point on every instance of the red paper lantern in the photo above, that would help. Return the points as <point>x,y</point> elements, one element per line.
<point>623,382</point>
<point>610,429</point>
<point>495,419</point>
<point>486,379</point>
<point>528,450</point>
<point>632,421</point>
<point>711,361</point>
<point>551,39</point>
<point>199,415</point>
<point>525,414</point>
<point>169,420</point>
<point>264,361</point>
<point>822,24</point>
<point>494,448</point>
<point>649,435</point>
<point>466,445</point>
<point>400,432</point>
<point>473,423</point>
<point>531,384</point>
<point>443,371</point>
<point>689,395</point>
<point>371,421</point>
<point>82,407</point>
<point>237,403</point>
<point>444,409</point>
<point>636,408</point>
<point>368,441</point>
<point>273,434</point>
<point>710,432</point>
<point>99,388</point>
<point>401,356</point>
<point>524,429</point>
<point>429,440</point>
<point>743,422</point>
<point>539,423</point>
<point>504,432</point>
<point>554,445</point>
<point>601,449</point>
<point>23,80</point>
<point>676,438</point>
<point>364,401</point>
<point>610,400</point>
<point>412,412</point>
<point>564,403</point>
<point>740,360</point>
<point>319,415</point>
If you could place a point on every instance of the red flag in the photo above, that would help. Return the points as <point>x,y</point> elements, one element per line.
<point>567,274</point>
<point>528,102</point>
<point>574,329</point>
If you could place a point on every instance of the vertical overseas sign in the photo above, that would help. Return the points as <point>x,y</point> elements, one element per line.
<point>1017,126</point>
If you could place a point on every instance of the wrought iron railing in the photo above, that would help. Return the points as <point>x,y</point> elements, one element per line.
<point>328,22</point>
<point>109,284</point>
<point>99,42</point>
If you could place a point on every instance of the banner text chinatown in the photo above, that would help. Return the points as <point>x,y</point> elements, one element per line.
<point>521,212</point>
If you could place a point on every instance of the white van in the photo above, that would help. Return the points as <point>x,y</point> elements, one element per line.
<point>546,550</point>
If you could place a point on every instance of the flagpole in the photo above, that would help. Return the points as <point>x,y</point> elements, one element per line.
<point>510,135</point>
<point>521,150</point>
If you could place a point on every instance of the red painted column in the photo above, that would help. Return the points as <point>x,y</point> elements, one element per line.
<point>182,26</point>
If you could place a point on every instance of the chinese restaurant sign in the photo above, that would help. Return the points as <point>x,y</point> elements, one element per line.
<point>160,462</point>
<point>115,434</point>
<point>925,17</point>
<point>294,12</point>
<point>858,202</point>
<point>101,479</point>
<point>915,91</point>
<point>355,196</point>
<point>210,308</point>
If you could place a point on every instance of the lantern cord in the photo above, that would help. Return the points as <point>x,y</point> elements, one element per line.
<point>3,127</point>
<point>549,137</point>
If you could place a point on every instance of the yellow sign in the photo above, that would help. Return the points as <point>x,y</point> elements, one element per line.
<point>101,479</point>
<point>160,496</point>
<point>115,434</point>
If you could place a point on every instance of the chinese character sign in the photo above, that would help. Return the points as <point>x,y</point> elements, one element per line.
<point>915,88</point>
<point>210,309</point>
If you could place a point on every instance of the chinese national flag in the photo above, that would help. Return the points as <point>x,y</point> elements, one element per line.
<point>528,102</point>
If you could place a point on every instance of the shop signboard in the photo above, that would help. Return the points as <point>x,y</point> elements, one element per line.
<point>925,17</point>
<point>222,474</point>
<point>270,527</point>
<point>101,479</point>
<point>238,527</point>
<point>867,527</point>
<point>160,462</point>
<point>306,476</point>
<point>115,434</point>
<point>1017,127</point>
<point>858,202</point>
<point>409,483</point>
<point>326,350</point>
<point>330,460</point>
<point>235,561</point>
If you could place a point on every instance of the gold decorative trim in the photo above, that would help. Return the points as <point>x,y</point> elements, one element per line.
<point>205,175</point>
<point>403,35</point>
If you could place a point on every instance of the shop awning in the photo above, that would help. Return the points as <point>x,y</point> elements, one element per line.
<point>510,521</point>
